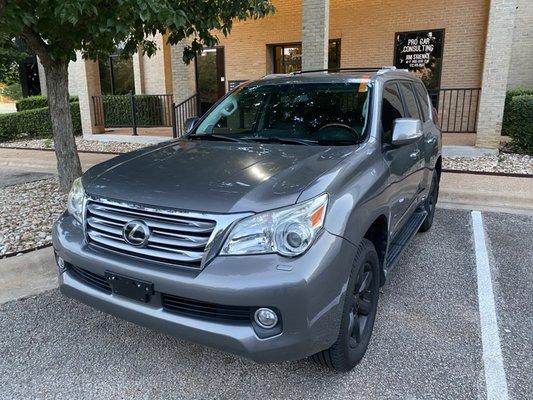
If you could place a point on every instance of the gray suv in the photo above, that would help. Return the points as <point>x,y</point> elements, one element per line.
<point>268,229</point>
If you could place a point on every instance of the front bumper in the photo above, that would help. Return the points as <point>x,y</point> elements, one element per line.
<point>308,291</point>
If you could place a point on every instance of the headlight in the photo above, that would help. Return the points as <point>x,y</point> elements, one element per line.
<point>288,231</point>
<point>75,200</point>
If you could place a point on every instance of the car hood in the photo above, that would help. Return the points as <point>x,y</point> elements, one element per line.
<point>217,177</point>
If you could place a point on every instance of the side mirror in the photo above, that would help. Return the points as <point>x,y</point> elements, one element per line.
<point>406,130</point>
<point>189,123</point>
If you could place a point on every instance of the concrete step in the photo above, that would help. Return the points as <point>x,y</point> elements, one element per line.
<point>27,275</point>
<point>485,192</point>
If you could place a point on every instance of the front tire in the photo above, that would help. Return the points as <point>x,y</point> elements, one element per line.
<point>359,313</point>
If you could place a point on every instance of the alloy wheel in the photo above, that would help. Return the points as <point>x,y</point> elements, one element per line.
<point>361,305</point>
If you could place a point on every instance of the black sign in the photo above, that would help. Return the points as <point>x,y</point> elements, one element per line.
<point>421,53</point>
<point>233,84</point>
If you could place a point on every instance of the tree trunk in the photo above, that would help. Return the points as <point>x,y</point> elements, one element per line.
<point>68,162</point>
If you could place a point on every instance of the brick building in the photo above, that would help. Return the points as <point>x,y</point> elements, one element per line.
<point>483,46</point>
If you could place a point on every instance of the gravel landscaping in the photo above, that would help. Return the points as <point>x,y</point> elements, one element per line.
<point>27,213</point>
<point>502,163</point>
<point>82,144</point>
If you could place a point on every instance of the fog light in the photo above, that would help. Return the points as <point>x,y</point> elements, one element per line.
<point>266,318</point>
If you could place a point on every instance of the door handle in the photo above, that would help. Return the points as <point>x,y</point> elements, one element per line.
<point>414,154</point>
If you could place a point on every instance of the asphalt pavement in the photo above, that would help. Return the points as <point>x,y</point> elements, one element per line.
<point>427,340</point>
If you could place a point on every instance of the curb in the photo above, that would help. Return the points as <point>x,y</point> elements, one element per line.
<point>53,150</point>
<point>27,275</point>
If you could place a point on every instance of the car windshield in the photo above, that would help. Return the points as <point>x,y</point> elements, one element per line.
<point>310,113</point>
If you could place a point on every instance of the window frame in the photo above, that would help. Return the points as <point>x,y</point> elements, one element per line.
<point>404,100</point>
<point>299,44</point>
<point>427,113</point>
<point>384,85</point>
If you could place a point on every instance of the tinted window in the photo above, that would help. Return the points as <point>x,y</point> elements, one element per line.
<point>334,113</point>
<point>410,100</point>
<point>391,109</point>
<point>423,100</point>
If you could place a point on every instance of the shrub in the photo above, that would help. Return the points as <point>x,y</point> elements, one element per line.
<point>506,123</point>
<point>117,110</point>
<point>33,102</point>
<point>13,91</point>
<point>521,122</point>
<point>34,123</point>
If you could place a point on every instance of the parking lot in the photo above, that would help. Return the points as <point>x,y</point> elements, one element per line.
<point>427,339</point>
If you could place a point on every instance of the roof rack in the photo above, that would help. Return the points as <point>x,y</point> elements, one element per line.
<point>352,69</point>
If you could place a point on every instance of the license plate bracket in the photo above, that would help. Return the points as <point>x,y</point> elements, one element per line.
<point>135,289</point>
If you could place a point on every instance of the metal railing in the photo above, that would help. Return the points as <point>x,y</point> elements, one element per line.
<point>133,111</point>
<point>457,108</point>
<point>188,108</point>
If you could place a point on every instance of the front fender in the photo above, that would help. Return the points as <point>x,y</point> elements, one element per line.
<point>357,194</point>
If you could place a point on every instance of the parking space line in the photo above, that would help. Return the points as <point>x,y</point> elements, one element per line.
<point>495,380</point>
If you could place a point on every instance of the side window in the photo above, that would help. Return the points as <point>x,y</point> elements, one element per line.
<point>422,95</point>
<point>410,100</point>
<point>391,109</point>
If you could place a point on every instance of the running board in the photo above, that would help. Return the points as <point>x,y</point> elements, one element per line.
<point>402,239</point>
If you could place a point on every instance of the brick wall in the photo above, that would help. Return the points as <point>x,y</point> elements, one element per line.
<point>183,81</point>
<point>521,69</point>
<point>246,49</point>
<point>366,29</point>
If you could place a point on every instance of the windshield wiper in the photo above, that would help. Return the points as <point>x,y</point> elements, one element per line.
<point>275,139</point>
<point>213,137</point>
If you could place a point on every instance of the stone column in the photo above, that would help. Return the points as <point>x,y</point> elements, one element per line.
<point>495,72</point>
<point>315,34</point>
<point>183,75</point>
<point>138,72</point>
<point>85,77</point>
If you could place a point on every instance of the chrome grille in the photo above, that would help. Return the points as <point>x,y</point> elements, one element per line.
<point>174,237</point>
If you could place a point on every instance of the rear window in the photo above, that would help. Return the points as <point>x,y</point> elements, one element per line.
<point>422,95</point>
<point>410,100</point>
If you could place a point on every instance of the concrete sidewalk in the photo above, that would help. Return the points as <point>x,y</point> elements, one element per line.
<point>44,161</point>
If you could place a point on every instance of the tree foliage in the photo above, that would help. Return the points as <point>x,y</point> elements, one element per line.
<point>56,29</point>
<point>10,56</point>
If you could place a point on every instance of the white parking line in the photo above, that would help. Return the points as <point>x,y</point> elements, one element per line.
<point>495,380</point>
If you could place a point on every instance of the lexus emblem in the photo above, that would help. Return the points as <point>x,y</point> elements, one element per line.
<point>136,233</point>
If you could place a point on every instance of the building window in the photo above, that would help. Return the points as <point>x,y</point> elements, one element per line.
<point>288,57</point>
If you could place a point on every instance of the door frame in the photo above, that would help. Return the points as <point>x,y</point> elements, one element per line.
<point>221,70</point>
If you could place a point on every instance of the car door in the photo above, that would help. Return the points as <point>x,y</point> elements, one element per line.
<point>431,132</point>
<point>412,110</point>
<point>402,160</point>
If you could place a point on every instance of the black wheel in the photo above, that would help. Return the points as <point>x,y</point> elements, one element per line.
<point>430,203</point>
<point>359,313</point>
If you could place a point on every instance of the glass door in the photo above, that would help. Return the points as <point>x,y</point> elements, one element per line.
<point>210,76</point>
